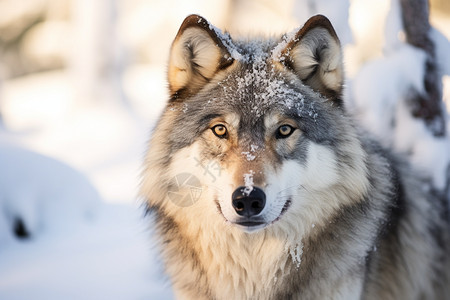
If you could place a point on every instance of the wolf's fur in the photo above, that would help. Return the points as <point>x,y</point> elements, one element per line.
<point>344,218</point>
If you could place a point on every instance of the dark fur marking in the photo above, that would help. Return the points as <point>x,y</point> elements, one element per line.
<point>312,73</point>
<point>180,95</point>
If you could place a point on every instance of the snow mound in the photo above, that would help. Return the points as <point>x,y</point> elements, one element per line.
<point>40,194</point>
<point>382,82</point>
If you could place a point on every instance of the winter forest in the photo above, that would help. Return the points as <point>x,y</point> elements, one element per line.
<point>82,82</point>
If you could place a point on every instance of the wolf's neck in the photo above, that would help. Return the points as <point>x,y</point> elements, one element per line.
<point>237,262</point>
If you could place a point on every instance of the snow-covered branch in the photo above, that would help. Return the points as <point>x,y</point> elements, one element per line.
<point>428,106</point>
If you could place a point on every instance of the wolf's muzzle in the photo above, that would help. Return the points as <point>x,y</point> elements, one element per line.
<point>248,205</point>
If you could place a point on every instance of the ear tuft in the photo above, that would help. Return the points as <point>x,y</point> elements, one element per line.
<point>197,54</point>
<point>314,55</point>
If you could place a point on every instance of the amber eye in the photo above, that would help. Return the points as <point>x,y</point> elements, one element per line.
<point>220,131</point>
<point>284,131</point>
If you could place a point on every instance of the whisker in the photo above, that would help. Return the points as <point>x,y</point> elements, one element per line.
<point>291,188</point>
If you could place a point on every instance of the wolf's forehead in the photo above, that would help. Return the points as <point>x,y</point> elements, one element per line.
<point>257,87</point>
<point>255,49</point>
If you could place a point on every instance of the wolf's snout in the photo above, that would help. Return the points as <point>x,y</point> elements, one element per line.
<point>248,205</point>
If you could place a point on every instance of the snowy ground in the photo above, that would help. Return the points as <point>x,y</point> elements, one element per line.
<point>96,248</point>
<point>109,257</point>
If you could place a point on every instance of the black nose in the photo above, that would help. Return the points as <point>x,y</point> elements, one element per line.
<point>248,204</point>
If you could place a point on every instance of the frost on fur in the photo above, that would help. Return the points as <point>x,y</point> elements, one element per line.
<point>248,181</point>
<point>296,254</point>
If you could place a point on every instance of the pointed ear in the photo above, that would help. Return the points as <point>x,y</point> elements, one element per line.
<point>314,55</point>
<point>197,54</point>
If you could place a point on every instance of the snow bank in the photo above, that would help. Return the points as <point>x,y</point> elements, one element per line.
<point>78,246</point>
<point>41,194</point>
<point>381,83</point>
<point>428,153</point>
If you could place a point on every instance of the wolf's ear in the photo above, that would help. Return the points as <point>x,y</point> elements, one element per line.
<point>197,54</point>
<point>314,55</point>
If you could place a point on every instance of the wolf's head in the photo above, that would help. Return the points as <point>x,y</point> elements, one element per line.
<point>255,132</point>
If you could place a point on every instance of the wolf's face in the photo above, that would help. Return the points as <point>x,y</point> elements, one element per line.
<point>259,125</point>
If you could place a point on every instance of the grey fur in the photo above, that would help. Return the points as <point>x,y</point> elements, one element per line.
<point>390,242</point>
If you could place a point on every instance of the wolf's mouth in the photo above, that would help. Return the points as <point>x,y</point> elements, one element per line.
<point>286,206</point>
<point>254,224</point>
<point>250,227</point>
<point>249,223</point>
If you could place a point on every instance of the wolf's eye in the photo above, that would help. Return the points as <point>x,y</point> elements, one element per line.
<point>284,131</point>
<point>220,131</point>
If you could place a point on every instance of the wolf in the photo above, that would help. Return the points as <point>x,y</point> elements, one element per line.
<point>262,185</point>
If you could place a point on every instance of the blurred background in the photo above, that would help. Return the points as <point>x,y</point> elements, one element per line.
<point>82,82</point>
